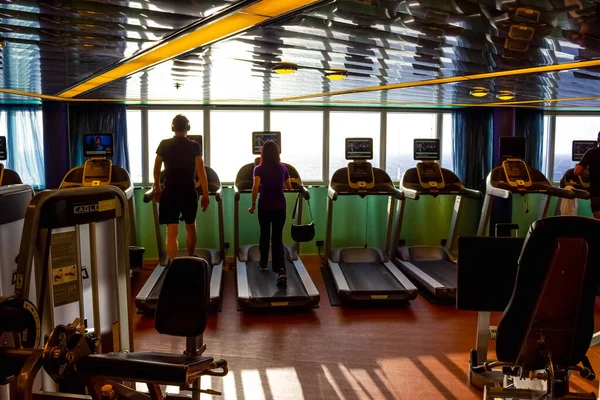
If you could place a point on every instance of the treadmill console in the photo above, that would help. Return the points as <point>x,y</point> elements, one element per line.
<point>360,175</point>
<point>517,173</point>
<point>97,172</point>
<point>430,176</point>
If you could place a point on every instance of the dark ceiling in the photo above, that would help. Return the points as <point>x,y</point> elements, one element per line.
<point>51,45</point>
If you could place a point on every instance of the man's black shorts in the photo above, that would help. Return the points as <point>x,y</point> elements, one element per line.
<point>178,205</point>
<point>595,201</point>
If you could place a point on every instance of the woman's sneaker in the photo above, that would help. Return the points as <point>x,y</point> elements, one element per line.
<point>263,267</point>
<point>282,279</point>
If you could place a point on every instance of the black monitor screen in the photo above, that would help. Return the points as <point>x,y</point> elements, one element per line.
<point>580,147</point>
<point>260,138</point>
<point>426,149</point>
<point>359,149</point>
<point>516,171</point>
<point>3,150</point>
<point>98,145</point>
<point>197,139</point>
<point>512,147</point>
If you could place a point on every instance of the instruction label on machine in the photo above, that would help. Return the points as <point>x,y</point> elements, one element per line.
<point>65,279</point>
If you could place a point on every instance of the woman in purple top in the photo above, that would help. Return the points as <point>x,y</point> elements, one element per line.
<point>271,177</point>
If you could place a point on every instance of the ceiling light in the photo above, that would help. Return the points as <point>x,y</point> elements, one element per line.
<point>285,68</point>
<point>336,74</point>
<point>479,91</point>
<point>505,95</point>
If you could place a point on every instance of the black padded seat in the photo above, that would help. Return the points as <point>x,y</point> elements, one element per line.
<point>554,294</point>
<point>149,367</point>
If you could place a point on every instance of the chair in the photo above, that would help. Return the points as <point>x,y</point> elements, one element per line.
<point>546,328</point>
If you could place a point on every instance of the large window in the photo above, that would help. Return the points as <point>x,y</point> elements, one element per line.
<point>348,125</point>
<point>25,143</point>
<point>402,129</point>
<point>134,144</point>
<point>231,140</point>
<point>447,145</point>
<point>301,141</point>
<point>159,128</point>
<point>569,128</point>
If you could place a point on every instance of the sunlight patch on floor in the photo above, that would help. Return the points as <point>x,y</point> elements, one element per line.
<point>252,385</point>
<point>284,384</point>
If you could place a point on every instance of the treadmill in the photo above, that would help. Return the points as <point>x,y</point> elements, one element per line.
<point>581,183</point>
<point>364,275</point>
<point>515,177</point>
<point>432,268</point>
<point>147,298</point>
<point>7,176</point>
<point>256,289</point>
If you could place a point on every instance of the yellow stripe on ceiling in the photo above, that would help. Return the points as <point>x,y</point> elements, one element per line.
<point>454,79</point>
<point>229,25</point>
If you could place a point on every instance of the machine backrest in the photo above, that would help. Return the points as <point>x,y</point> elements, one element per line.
<point>182,308</point>
<point>10,177</point>
<point>554,294</point>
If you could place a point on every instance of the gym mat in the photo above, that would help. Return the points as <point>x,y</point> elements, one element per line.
<point>334,299</point>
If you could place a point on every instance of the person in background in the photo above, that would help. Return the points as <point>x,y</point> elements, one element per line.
<point>591,160</point>
<point>178,201</point>
<point>271,177</point>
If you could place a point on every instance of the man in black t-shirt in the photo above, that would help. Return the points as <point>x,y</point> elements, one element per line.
<point>178,201</point>
<point>591,160</point>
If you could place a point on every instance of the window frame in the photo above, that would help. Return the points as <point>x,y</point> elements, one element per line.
<point>267,125</point>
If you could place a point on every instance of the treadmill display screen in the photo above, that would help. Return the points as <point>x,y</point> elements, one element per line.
<point>197,139</point>
<point>430,172</point>
<point>361,173</point>
<point>580,147</point>
<point>3,151</point>
<point>426,149</point>
<point>359,149</point>
<point>516,171</point>
<point>512,147</point>
<point>260,138</point>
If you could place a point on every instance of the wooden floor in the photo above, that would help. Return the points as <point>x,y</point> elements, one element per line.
<point>420,352</point>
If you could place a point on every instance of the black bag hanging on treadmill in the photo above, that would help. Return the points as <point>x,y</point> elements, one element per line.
<point>302,233</point>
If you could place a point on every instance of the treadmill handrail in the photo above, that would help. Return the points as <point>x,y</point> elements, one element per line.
<point>219,194</point>
<point>581,194</point>
<point>411,194</point>
<point>305,193</point>
<point>470,193</point>
<point>333,194</point>
<point>149,195</point>
<point>564,193</point>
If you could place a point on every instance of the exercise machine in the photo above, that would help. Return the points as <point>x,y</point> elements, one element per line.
<point>364,274</point>
<point>147,298</point>
<point>515,177</point>
<point>546,289</point>
<point>68,358</point>
<point>7,176</point>
<point>256,289</point>
<point>432,268</point>
<point>49,264</point>
<point>14,199</point>
<point>581,183</point>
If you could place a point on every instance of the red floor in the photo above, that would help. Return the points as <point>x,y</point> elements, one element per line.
<point>420,352</point>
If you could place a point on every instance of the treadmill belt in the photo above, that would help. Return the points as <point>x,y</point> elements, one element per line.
<point>370,277</point>
<point>264,283</point>
<point>441,270</point>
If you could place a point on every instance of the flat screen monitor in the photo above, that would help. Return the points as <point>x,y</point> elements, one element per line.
<point>260,138</point>
<point>359,148</point>
<point>512,147</point>
<point>3,151</point>
<point>98,145</point>
<point>580,147</point>
<point>197,139</point>
<point>426,149</point>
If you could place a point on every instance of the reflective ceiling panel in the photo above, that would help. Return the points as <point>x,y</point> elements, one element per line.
<point>51,45</point>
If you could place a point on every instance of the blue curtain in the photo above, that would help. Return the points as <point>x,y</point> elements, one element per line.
<point>529,123</point>
<point>25,143</point>
<point>472,144</point>
<point>98,118</point>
